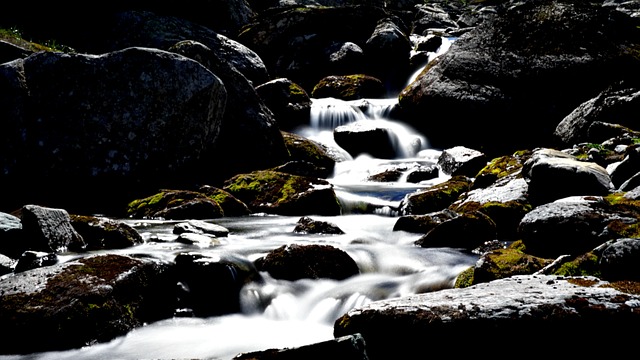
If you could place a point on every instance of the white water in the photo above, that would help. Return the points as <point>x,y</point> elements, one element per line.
<point>303,311</point>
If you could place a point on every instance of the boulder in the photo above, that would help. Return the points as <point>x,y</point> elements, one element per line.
<point>73,120</point>
<point>552,175</point>
<point>294,262</point>
<point>506,310</point>
<point>175,205</point>
<point>289,103</point>
<point>531,63</point>
<point>275,192</point>
<point>86,301</point>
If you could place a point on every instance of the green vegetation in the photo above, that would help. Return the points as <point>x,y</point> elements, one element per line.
<point>14,36</point>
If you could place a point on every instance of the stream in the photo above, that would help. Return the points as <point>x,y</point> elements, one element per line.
<point>299,312</point>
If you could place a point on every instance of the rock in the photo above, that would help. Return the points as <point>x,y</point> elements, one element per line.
<point>350,347</point>
<point>574,225</point>
<point>436,197</point>
<point>200,227</point>
<point>296,43</point>
<point>517,306</point>
<point>294,262</point>
<point>49,230</point>
<point>231,206</point>
<point>349,87</point>
<point>276,192</point>
<point>175,205</point>
<point>614,105</point>
<point>33,260</point>
<point>367,137</point>
<point>619,259</point>
<point>89,300</point>
<point>210,285</point>
<point>249,138</point>
<point>503,70</point>
<point>466,231</point>
<point>459,160</point>
<point>63,105</point>
<point>289,103</point>
<point>309,151</point>
<point>103,233</point>
<point>307,225</point>
<point>553,175</point>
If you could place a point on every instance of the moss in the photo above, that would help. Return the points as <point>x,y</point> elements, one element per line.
<point>584,265</point>
<point>629,287</point>
<point>501,167</point>
<point>503,263</point>
<point>465,278</point>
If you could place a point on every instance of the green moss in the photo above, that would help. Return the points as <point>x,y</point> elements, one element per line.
<point>584,265</point>
<point>465,279</point>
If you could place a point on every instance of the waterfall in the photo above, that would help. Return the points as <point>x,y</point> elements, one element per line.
<point>283,314</point>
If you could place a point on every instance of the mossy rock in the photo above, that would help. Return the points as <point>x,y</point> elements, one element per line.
<point>499,168</point>
<point>303,149</point>
<point>437,197</point>
<point>101,233</point>
<point>281,193</point>
<point>349,87</point>
<point>506,215</point>
<point>175,205</point>
<point>503,263</point>
<point>231,206</point>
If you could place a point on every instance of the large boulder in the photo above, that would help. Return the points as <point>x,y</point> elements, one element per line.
<point>249,138</point>
<point>506,84</point>
<point>89,300</point>
<point>275,192</point>
<point>503,313</point>
<point>133,119</point>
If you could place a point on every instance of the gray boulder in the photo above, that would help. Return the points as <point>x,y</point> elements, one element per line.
<point>138,119</point>
<point>616,105</point>
<point>504,313</point>
<point>72,304</point>
<point>507,83</point>
<point>553,175</point>
<point>573,225</point>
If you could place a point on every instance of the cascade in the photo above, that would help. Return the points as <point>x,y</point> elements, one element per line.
<point>281,314</point>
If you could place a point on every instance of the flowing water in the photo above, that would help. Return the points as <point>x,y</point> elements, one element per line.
<point>300,312</point>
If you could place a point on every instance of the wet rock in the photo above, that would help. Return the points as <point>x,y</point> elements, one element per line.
<point>307,225</point>
<point>89,300</point>
<point>49,230</point>
<point>276,192</point>
<point>349,347</point>
<point>520,304</point>
<point>33,260</point>
<point>210,285</point>
<point>290,103</point>
<point>103,233</point>
<point>200,227</point>
<point>294,262</point>
<point>553,175</point>
<point>367,137</point>
<point>466,231</point>
<point>349,87</point>
<point>460,160</point>
<point>175,205</point>
<point>231,206</point>
<point>435,198</point>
